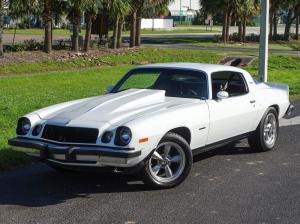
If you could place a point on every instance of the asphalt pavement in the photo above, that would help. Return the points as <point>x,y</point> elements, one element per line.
<point>228,185</point>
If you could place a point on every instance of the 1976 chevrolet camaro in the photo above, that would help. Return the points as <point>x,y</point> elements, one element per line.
<point>155,119</point>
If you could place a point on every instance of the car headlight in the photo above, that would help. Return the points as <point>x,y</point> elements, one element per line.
<point>37,130</point>
<point>107,137</point>
<point>24,126</point>
<point>123,136</point>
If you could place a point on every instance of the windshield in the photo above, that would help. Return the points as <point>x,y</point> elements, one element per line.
<point>176,82</point>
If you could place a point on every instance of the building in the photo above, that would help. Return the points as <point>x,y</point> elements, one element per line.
<point>184,9</point>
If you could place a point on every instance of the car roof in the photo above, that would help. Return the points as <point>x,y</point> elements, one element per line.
<point>207,68</point>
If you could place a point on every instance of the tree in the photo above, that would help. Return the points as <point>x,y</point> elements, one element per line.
<point>241,10</point>
<point>219,6</point>
<point>47,20</point>
<point>118,10</point>
<point>139,7</point>
<point>90,15</point>
<point>76,9</point>
<point>1,26</point>
<point>293,10</point>
<point>244,10</point>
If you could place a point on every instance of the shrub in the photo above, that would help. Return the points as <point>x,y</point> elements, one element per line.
<point>27,45</point>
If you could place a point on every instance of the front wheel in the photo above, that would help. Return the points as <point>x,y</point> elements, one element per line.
<point>170,163</point>
<point>266,134</point>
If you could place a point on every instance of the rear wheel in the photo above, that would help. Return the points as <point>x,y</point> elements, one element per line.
<point>266,134</point>
<point>170,163</point>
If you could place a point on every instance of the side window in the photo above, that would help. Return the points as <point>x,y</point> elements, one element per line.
<point>232,82</point>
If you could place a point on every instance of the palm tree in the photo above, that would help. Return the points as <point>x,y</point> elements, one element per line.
<point>76,10</point>
<point>293,8</point>
<point>47,20</point>
<point>1,26</point>
<point>244,10</point>
<point>139,7</point>
<point>90,15</point>
<point>219,6</point>
<point>118,10</point>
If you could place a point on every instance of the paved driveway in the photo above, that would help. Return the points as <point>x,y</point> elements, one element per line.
<point>227,185</point>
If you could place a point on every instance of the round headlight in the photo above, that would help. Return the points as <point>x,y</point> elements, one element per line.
<point>24,126</point>
<point>123,136</point>
<point>107,137</point>
<point>37,130</point>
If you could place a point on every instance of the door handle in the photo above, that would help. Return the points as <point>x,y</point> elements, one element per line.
<point>252,101</point>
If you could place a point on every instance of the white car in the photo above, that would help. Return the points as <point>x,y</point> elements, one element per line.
<point>156,118</point>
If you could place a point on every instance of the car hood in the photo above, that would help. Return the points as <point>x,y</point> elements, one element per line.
<point>114,108</point>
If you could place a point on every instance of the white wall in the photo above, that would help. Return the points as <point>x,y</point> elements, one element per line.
<point>174,7</point>
<point>157,23</point>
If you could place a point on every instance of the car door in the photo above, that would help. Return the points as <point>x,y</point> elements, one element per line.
<point>234,115</point>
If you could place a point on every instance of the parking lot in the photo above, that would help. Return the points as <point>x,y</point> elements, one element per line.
<point>227,185</point>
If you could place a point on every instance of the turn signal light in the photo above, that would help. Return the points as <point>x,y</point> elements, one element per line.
<point>142,140</point>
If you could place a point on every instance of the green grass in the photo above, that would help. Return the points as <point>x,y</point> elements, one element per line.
<point>210,42</point>
<point>20,94</point>
<point>35,31</point>
<point>278,45</point>
<point>144,56</point>
<point>66,32</point>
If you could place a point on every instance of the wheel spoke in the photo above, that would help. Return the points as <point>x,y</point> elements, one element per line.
<point>168,171</point>
<point>176,159</point>
<point>156,169</point>
<point>157,156</point>
<point>167,149</point>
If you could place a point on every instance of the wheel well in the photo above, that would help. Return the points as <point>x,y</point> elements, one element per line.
<point>276,107</point>
<point>183,132</point>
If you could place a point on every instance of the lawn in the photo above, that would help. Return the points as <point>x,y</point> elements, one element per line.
<point>66,32</point>
<point>35,31</point>
<point>211,42</point>
<point>63,81</point>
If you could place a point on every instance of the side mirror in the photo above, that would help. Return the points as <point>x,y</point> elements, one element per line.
<point>109,88</point>
<point>222,95</point>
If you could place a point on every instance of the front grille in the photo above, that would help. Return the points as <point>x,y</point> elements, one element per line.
<point>70,134</point>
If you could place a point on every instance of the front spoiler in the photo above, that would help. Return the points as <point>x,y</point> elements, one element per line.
<point>81,155</point>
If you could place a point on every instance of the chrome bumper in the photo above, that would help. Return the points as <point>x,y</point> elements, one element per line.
<point>80,155</point>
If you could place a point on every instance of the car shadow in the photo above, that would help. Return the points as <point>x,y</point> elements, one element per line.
<point>38,185</point>
<point>230,149</point>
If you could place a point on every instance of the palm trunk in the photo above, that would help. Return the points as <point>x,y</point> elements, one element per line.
<point>15,32</point>
<point>244,30</point>
<point>271,24</point>
<point>288,25</point>
<point>240,31</point>
<point>88,31</point>
<point>75,37</point>
<point>1,26</point>
<point>275,23</point>
<point>47,41</point>
<point>297,28</point>
<point>115,33</point>
<point>47,26</point>
<point>138,29</point>
<point>119,34</point>
<point>228,26</point>
<point>133,29</point>
<point>224,29</point>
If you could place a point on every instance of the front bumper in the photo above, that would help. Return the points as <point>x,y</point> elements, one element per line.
<point>79,155</point>
<point>290,110</point>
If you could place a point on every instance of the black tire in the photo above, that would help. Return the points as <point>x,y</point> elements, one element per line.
<point>181,145</point>
<point>257,141</point>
